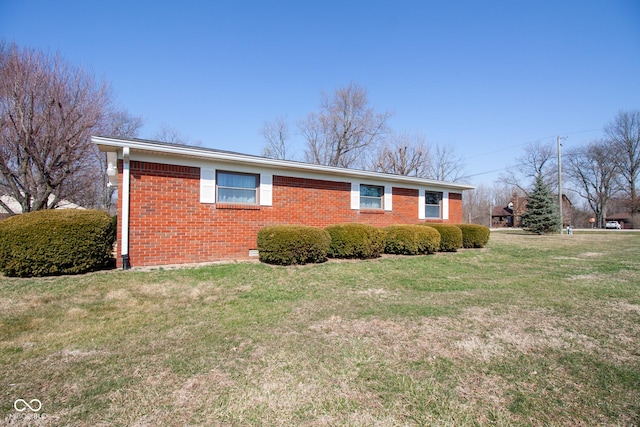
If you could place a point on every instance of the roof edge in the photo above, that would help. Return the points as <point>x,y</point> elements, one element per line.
<point>214,154</point>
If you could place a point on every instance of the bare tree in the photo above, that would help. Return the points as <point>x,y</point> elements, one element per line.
<point>539,160</point>
<point>402,154</point>
<point>444,164</point>
<point>276,136</point>
<point>624,133</point>
<point>170,134</point>
<point>594,170</point>
<point>121,123</point>
<point>478,204</point>
<point>343,129</point>
<point>48,111</point>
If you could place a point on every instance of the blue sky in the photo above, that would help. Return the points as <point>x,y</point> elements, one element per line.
<point>486,77</point>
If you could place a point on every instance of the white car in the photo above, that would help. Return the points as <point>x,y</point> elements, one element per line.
<point>612,224</point>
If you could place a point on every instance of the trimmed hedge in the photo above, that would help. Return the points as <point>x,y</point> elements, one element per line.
<point>450,237</point>
<point>292,244</point>
<point>356,241</point>
<point>411,239</point>
<point>52,242</point>
<point>474,235</point>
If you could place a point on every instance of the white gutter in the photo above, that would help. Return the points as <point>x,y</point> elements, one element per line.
<point>126,179</point>
<point>207,153</point>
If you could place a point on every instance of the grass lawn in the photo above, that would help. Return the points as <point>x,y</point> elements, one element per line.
<point>531,330</point>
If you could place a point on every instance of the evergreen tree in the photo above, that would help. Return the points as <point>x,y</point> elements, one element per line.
<point>541,215</point>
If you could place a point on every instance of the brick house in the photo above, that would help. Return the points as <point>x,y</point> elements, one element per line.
<point>511,215</point>
<point>181,204</point>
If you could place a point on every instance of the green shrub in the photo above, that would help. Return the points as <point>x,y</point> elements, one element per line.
<point>474,235</point>
<point>292,244</point>
<point>411,239</point>
<point>52,242</point>
<point>356,241</point>
<point>450,236</point>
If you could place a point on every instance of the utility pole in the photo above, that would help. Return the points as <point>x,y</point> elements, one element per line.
<point>560,179</point>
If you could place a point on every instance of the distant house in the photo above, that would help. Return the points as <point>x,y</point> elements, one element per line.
<point>511,215</point>
<point>16,208</point>
<point>182,204</point>
<point>624,218</point>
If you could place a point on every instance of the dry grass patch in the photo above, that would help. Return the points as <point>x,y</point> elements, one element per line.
<point>527,331</point>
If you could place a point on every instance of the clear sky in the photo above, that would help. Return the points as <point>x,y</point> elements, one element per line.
<point>486,77</point>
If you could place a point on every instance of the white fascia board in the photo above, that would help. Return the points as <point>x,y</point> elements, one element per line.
<point>208,154</point>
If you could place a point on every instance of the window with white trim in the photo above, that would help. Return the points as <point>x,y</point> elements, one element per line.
<point>235,187</point>
<point>432,204</point>
<point>371,196</point>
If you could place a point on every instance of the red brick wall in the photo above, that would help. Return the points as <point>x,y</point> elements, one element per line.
<point>169,225</point>
<point>455,208</point>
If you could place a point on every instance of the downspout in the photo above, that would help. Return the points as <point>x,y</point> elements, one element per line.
<point>126,179</point>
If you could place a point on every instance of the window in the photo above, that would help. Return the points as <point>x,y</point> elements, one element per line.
<point>432,204</point>
<point>371,196</point>
<point>237,188</point>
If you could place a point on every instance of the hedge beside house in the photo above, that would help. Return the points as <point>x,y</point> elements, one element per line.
<point>411,239</point>
<point>450,237</point>
<point>51,242</point>
<point>356,241</point>
<point>474,235</point>
<point>292,244</point>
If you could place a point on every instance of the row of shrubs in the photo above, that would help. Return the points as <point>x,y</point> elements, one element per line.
<point>51,242</point>
<point>296,244</point>
<point>77,241</point>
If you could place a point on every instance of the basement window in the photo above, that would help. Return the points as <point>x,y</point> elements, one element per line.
<point>233,187</point>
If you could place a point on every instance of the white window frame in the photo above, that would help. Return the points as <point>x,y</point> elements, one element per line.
<point>256,189</point>
<point>440,198</point>
<point>444,204</point>
<point>381,198</point>
<point>208,187</point>
<point>387,197</point>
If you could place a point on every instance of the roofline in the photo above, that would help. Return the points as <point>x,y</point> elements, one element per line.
<point>212,154</point>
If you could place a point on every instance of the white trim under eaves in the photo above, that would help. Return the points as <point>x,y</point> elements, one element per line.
<point>209,154</point>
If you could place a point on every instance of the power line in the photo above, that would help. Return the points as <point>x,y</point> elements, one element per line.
<point>511,147</point>
<point>482,173</point>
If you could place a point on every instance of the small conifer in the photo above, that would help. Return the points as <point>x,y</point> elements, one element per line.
<point>541,215</point>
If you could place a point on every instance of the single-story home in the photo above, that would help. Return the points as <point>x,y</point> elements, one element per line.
<point>624,218</point>
<point>182,204</point>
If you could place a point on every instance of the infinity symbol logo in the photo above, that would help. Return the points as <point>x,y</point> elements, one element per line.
<point>21,405</point>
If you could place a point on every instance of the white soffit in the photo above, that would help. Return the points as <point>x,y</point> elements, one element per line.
<point>162,148</point>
